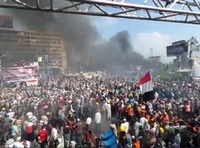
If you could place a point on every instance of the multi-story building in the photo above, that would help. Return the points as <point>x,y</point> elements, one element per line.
<point>29,45</point>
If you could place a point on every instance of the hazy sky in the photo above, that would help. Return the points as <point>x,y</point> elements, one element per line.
<point>148,34</point>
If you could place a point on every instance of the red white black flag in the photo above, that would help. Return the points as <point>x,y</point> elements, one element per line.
<point>146,87</point>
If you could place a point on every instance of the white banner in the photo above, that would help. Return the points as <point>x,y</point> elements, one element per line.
<point>32,82</point>
<point>21,74</point>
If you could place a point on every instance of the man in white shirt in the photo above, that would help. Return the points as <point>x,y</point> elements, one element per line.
<point>54,134</point>
<point>137,125</point>
<point>88,123</point>
<point>143,120</point>
<point>104,107</point>
<point>126,125</point>
<point>11,114</point>
<point>9,143</point>
<point>18,144</point>
<point>108,110</point>
<point>97,122</point>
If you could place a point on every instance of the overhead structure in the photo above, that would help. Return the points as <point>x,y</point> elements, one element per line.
<point>180,11</point>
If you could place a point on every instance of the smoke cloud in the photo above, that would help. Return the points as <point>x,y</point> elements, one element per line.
<point>84,45</point>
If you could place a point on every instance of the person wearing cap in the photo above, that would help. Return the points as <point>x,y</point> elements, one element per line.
<point>130,112</point>
<point>98,106</point>
<point>125,139</point>
<point>3,111</point>
<point>29,129</point>
<point>125,124</point>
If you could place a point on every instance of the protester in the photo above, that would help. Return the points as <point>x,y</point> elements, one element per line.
<point>89,136</point>
<point>71,105</point>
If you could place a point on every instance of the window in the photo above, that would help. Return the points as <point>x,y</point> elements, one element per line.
<point>44,50</point>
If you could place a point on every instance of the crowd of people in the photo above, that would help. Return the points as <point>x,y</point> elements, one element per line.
<point>78,111</point>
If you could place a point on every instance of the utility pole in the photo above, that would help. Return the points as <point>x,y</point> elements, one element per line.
<point>47,68</point>
<point>193,45</point>
<point>1,72</point>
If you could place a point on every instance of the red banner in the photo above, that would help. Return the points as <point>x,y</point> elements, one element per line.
<point>21,74</point>
<point>6,21</point>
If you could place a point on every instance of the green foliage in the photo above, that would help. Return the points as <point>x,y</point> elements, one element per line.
<point>168,72</point>
<point>165,72</point>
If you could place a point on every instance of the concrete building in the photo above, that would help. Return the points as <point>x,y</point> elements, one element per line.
<point>29,45</point>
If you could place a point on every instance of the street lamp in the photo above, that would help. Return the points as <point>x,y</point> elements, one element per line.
<point>47,68</point>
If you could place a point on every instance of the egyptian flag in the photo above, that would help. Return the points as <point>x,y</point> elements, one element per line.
<point>146,87</point>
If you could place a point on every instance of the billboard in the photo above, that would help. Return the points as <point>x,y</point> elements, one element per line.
<point>6,21</point>
<point>21,74</point>
<point>177,49</point>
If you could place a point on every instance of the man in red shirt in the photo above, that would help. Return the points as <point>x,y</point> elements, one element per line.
<point>89,135</point>
<point>42,136</point>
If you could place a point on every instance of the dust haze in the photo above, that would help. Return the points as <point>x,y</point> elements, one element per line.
<point>85,47</point>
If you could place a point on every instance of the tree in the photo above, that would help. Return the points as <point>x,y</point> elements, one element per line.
<point>193,46</point>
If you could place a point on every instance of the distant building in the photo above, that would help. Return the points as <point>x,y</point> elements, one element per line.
<point>154,59</point>
<point>29,46</point>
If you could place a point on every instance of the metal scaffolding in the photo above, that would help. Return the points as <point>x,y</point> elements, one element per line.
<point>180,11</point>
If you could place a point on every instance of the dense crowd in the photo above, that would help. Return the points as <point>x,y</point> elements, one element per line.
<point>78,111</point>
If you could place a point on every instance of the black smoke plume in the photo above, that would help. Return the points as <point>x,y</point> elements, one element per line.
<point>84,45</point>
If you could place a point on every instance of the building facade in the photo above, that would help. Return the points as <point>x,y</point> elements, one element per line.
<point>29,45</point>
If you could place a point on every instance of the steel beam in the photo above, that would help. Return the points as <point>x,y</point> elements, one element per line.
<point>180,11</point>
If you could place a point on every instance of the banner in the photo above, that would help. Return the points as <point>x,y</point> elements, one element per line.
<point>6,21</point>
<point>21,74</point>
<point>177,49</point>
<point>33,82</point>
